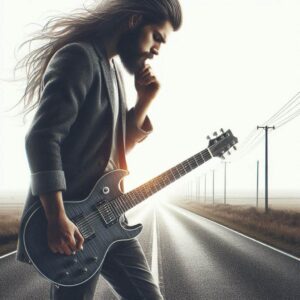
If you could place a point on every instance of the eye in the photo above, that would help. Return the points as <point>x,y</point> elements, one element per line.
<point>157,37</point>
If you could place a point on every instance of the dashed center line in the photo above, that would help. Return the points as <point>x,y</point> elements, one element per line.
<point>154,262</point>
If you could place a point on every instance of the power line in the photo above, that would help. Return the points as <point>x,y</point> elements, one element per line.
<point>290,118</point>
<point>285,114</point>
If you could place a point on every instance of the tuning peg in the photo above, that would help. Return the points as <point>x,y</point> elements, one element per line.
<point>208,137</point>
<point>215,133</point>
<point>229,153</point>
<point>222,156</point>
<point>222,130</point>
<point>234,147</point>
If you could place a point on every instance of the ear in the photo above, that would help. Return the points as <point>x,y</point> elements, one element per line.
<point>134,21</point>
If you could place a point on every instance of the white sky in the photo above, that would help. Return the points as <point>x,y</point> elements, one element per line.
<point>232,65</point>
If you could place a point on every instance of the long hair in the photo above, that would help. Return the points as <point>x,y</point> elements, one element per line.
<point>105,17</point>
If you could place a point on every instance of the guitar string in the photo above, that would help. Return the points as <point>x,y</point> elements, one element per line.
<point>155,183</point>
<point>84,222</point>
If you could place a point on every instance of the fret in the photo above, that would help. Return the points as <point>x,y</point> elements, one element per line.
<point>180,170</point>
<point>153,185</point>
<point>171,172</point>
<point>127,201</point>
<point>202,156</point>
<point>199,158</point>
<point>122,204</point>
<point>177,174</point>
<point>139,194</point>
<point>188,161</point>
<point>182,164</point>
<point>130,197</point>
<point>194,157</point>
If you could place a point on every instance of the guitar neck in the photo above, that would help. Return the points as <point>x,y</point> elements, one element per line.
<point>139,194</point>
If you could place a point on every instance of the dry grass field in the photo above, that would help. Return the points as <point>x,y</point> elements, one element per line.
<point>9,224</point>
<point>279,228</point>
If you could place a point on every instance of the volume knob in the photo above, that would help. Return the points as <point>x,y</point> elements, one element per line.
<point>105,190</point>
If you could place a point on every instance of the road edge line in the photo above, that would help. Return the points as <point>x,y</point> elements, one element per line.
<point>248,237</point>
<point>8,254</point>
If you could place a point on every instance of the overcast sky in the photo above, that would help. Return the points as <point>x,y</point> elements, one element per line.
<point>232,65</point>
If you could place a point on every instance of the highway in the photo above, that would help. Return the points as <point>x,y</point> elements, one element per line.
<point>191,258</point>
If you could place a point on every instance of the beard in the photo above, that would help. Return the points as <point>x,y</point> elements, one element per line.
<point>128,50</point>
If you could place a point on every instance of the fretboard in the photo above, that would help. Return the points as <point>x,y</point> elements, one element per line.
<point>139,194</point>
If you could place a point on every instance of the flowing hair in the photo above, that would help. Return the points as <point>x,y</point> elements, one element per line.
<point>100,20</point>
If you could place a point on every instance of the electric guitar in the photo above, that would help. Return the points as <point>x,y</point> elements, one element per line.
<point>99,218</point>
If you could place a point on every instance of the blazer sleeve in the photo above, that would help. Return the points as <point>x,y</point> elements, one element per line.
<point>134,134</point>
<point>66,82</point>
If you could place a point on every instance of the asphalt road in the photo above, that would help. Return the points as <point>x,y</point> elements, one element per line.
<point>194,258</point>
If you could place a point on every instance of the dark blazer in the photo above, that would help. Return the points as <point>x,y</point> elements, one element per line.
<point>69,142</point>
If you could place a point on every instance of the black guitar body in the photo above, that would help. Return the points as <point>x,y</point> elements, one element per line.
<point>98,222</point>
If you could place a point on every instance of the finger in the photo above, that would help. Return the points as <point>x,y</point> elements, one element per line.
<point>71,241</point>
<point>143,69</point>
<point>148,80</point>
<point>152,81</point>
<point>53,249</point>
<point>60,250</point>
<point>146,71</point>
<point>66,249</point>
<point>79,239</point>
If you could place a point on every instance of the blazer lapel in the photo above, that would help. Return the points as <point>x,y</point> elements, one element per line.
<point>122,102</point>
<point>107,74</point>
<point>122,98</point>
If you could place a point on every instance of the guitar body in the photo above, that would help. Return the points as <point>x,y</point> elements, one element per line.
<point>99,235</point>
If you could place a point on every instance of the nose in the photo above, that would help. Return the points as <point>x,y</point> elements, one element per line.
<point>155,50</point>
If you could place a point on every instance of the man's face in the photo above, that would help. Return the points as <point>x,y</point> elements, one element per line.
<point>141,43</point>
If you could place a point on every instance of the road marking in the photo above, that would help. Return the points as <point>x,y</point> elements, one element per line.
<point>8,254</point>
<point>248,237</point>
<point>154,262</point>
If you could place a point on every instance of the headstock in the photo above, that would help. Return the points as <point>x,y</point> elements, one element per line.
<point>221,144</point>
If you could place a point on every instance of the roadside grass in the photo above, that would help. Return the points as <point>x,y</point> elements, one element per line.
<point>9,225</point>
<point>278,228</point>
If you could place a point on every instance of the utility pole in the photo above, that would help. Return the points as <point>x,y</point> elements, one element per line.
<point>191,190</point>
<point>266,128</point>
<point>213,187</point>
<point>198,189</point>
<point>205,188</point>
<point>257,183</point>
<point>225,180</point>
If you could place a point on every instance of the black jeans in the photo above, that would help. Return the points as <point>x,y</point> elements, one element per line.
<point>125,268</point>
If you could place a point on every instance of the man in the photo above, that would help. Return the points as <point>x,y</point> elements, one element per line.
<point>83,129</point>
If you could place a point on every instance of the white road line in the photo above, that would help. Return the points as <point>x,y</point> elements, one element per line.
<point>241,234</point>
<point>8,254</point>
<point>154,262</point>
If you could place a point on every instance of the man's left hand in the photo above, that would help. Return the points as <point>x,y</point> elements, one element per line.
<point>146,84</point>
